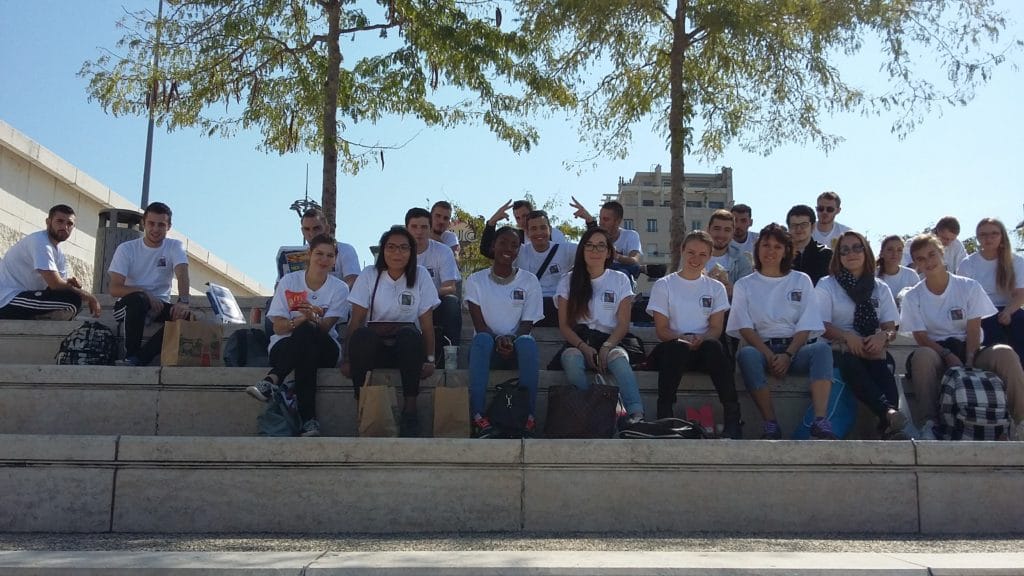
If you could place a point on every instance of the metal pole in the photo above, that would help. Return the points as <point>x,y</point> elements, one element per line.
<point>152,104</point>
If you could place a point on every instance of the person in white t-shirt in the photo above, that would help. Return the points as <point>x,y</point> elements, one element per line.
<point>295,258</point>
<point>392,322</point>
<point>727,263</point>
<point>593,316</point>
<point>897,277</point>
<point>626,243</point>
<point>689,315</point>
<point>440,222</point>
<point>743,237</point>
<point>34,281</point>
<point>775,314</point>
<point>504,302</point>
<point>140,277</point>
<point>444,272</point>
<point>535,253</point>
<point>827,230</point>
<point>860,321</point>
<point>944,313</point>
<point>953,251</point>
<point>520,209</point>
<point>304,312</point>
<point>1001,273</point>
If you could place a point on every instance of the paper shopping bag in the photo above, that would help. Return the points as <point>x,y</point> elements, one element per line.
<point>377,406</point>
<point>188,343</point>
<point>451,412</point>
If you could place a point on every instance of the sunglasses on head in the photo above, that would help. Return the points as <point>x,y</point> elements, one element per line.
<point>829,209</point>
<point>847,250</point>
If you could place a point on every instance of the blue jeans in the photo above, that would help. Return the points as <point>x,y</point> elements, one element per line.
<point>629,392</point>
<point>814,359</point>
<point>482,357</point>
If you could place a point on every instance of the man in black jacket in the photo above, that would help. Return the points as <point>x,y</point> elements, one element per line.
<point>811,258</point>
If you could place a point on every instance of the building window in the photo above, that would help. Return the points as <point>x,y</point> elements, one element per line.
<point>666,202</point>
<point>648,203</point>
<point>695,225</point>
<point>652,225</point>
<point>716,205</point>
<point>627,224</point>
<point>652,249</point>
<point>694,204</point>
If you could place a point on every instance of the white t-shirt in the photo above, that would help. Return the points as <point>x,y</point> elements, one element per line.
<point>905,278</point>
<point>292,289</point>
<point>150,269</point>
<point>775,307</point>
<point>945,315</point>
<point>449,239</point>
<point>826,239</point>
<point>610,289</point>
<point>395,301</point>
<point>628,241</point>
<point>561,264</point>
<point>749,245</point>
<point>688,304</point>
<point>984,271</point>
<point>504,306</point>
<point>20,266</point>
<point>295,258</point>
<point>440,263</point>
<point>951,255</point>
<point>724,261</point>
<point>837,307</point>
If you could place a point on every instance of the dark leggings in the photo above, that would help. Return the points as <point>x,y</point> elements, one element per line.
<point>132,310</point>
<point>306,350</point>
<point>870,380</point>
<point>367,351</point>
<point>673,358</point>
<point>1012,335</point>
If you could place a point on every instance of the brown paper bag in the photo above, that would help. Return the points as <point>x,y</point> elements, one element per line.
<point>187,343</point>
<point>451,412</point>
<point>377,406</point>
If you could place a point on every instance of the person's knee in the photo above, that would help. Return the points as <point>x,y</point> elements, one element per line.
<point>525,344</point>
<point>617,353</point>
<point>572,357</point>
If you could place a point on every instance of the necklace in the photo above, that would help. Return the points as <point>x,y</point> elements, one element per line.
<point>503,280</point>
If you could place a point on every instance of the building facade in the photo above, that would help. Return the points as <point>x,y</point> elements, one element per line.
<point>647,198</point>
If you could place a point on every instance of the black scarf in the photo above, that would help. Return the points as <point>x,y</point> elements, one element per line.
<point>865,319</point>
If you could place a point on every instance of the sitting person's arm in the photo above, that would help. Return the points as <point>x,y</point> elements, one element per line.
<point>180,310</point>
<point>55,282</point>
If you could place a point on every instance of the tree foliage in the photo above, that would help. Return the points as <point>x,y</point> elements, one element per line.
<point>758,73</point>
<point>278,66</point>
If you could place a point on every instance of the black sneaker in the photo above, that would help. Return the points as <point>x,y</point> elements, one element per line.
<point>410,426</point>
<point>822,430</point>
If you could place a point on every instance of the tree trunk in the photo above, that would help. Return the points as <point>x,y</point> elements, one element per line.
<point>329,193</point>
<point>677,131</point>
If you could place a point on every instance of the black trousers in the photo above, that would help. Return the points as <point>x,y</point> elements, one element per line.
<point>32,304</point>
<point>870,380</point>
<point>674,358</point>
<point>306,350</point>
<point>367,350</point>
<point>132,311</point>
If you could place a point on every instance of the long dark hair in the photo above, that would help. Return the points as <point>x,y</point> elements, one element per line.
<point>780,235</point>
<point>836,265</point>
<point>580,288</point>
<point>881,250</point>
<point>410,267</point>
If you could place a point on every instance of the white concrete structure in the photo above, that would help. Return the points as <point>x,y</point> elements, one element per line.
<point>32,179</point>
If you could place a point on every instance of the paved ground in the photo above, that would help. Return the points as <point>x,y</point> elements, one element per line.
<point>511,542</point>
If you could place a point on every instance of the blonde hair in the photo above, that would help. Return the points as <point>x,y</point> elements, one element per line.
<point>1006,278</point>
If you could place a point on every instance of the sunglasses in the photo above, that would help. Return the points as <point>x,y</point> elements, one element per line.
<point>847,250</point>
<point>829,209</point>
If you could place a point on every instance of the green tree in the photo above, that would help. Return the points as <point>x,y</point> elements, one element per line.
<point>757,72</point>
<point>278,66</point>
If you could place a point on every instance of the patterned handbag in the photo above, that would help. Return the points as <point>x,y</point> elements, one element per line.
<point>972,405</point>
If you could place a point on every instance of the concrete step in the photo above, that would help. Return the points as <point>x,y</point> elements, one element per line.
<point>526,563</point>
<point>211,401</point>
<point>149,484</point>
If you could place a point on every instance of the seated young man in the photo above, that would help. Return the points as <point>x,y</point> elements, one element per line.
<point>520,209</point>
<point>504,302</point>
<point>626,243</point>
<point>295,258</point>
<point>440,222</point>
<point>140,277</point>
<point>547,260</point>
<point>34,282</point>
<point>444,272</point>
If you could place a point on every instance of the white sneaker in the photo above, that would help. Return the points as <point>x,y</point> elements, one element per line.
<point>928,430</point>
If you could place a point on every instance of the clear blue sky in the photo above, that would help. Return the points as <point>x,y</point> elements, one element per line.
<point>234,200</point>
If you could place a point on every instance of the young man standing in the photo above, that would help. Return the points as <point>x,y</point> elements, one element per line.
<point>628,253</point>
<point>742,236</point>
<point>34,282</point>
<point>727,263</point>
<point>440,222</point>
<point>140,277</point>
<point>546,260</point>
<point>440,263</point>
<point>827,229</point>
<point>810,257</point>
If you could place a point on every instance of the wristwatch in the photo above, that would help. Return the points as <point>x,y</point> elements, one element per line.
<point>430,358</point>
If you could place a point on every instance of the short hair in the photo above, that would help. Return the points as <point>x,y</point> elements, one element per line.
<point>410,267</point>
<point>323,238</point>
<point>62,208</point>
<point>615,207</point>
<point>157,208</point>
<point>741,209</point>
<point>441,204</point>
<point>522,204</point>
<point>948,223</point>
<point>834,265</point>
<point>829,195</point>
<point>780,235</point>
<point>697,236</point>
<point>721,215</point>
<point>801,210</point>
<point>506,230</point>
<point>922,241</point>
<point>533,215</point>
<point>416,213</point>
<point>313,213</point>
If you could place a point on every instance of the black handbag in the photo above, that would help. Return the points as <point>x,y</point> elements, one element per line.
<point>509,409</point>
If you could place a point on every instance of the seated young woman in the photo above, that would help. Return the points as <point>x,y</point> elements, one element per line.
<point>896,276</point>
<point>593,316</point>
<point>304,310</point>
<point>775,315</point>
<point>504,302</point>
<point>860,321</point>
<point>689,314</point>
<point>392,322</point>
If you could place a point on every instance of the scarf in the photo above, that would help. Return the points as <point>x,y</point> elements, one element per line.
<point>865,318</point>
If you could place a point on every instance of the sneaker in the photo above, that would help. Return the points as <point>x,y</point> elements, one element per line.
<point>928,430</point>
<point>482,427</point>
<point>410,426</point>
<point>770,430</point>
<point>310,428</point>
<point>129,361</point>
<point>263,390</point>
<point>822,430</point>
<point>896,421</point>
<point>530,428</point>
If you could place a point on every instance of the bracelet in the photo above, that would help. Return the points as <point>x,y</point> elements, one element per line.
<point>430,359</point>
<point>291,322</point>
<point>580,343</point>
<point>606,344</point>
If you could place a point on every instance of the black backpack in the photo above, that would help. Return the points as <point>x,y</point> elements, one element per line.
<point>247,347</point>
<point>509,409</point>
<point>91,344</point>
